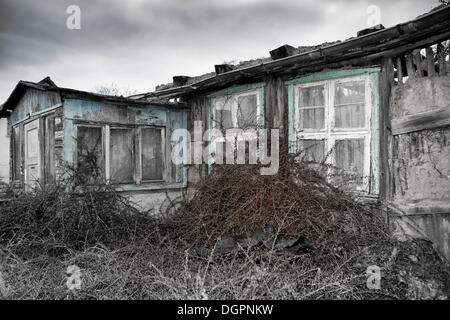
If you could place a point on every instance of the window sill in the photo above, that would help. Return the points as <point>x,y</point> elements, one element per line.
<point>161,185</point>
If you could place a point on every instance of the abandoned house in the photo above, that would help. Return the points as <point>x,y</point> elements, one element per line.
<point>125,141</point>
<point>376,105</point>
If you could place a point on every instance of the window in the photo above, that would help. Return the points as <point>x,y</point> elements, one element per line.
<point>17,154</point>
<point>123,155</point>
<point>90,159</point>
<point>152,151</point>
<point>236,111</point>
<point>121,146</point>
<point>332,122</point>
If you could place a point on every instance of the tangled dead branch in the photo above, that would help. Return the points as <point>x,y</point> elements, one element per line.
<point>298,201</point>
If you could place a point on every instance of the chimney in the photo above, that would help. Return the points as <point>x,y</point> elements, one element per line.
<point>282,52</point>
<point>222,68</point>
<point>363,32</point>
<point>180,80</point>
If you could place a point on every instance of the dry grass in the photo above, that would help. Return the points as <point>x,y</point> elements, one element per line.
<point>124,254</point>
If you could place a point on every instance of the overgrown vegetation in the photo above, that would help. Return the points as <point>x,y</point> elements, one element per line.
<point>126,254</point>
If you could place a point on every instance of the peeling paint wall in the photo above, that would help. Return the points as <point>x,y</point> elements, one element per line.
<point>421,158</point>
<point>153,196</point>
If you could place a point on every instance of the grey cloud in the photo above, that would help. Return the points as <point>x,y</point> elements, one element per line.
<point>136,34</point>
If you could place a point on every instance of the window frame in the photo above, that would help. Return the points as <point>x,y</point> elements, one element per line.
<point>163,151</point>
<point>137,151</point>
<point>75,163</point>
<point>108,145</point>
<point>234,100</point>
<point>234,94</point>
<point>330,133</point>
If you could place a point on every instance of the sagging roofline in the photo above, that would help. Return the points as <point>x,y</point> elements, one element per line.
<point>425,30</point>
<point>48,85</point>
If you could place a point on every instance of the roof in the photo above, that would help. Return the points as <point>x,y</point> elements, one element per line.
<point>425,30</point>
<point>47,84</point>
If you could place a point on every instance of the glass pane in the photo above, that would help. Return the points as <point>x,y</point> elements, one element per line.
<point>152,157</point>
<point>89,151</point>
<point>349,116</point>
<point>17,154</point>
<point>247,112</point>
<point>350,156</point>
<point>349,92</point>
<point>313,150</point>
<point>350,104</point>
<point>312,118</point>
<point>312,96</point>
<point>122,160</point>
<point>32,148</point>
<point>223,119</point>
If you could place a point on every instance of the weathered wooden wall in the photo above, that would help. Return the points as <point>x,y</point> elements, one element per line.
<point>34,101</point>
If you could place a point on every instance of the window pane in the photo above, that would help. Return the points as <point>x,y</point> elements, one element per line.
<point>313,150</point>
<point>312,96</point>
<point>349,92</point>
<point>223,119</point>
<point>121,154</point>
<point>152,157</point>
<point>350,156</point>
<point>350,104</point>
<point>247,112</point>
<point>89,151</point>
<point>312,118</point>
<point>313,99</point>
<point>17,154</point>
<point>349,116</point>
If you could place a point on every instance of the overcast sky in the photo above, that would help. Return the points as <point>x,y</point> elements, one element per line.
<point>139,44</point>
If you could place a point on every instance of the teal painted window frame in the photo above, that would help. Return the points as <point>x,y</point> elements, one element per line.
<point>373,73</point>
<point>237,90</point>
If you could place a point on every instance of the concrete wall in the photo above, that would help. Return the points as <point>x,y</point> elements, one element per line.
<point>421,159</point>
<point>4,151</point>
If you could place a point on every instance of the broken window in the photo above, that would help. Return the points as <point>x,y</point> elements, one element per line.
<point>152,153</point>
<point>331,119</point>
<point>122,155</point>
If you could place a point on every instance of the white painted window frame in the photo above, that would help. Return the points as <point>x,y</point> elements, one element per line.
<point>330,134</point>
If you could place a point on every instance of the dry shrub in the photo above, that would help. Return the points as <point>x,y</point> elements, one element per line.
<point>61,217</point>
<point>298,201</point>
